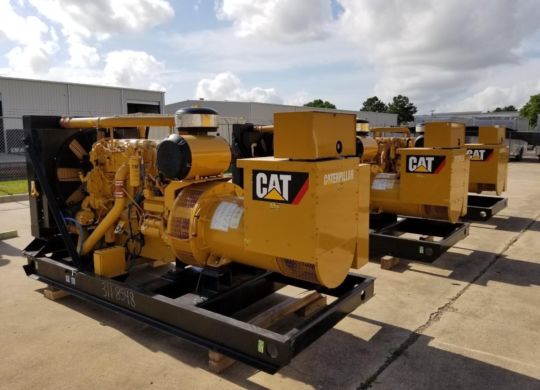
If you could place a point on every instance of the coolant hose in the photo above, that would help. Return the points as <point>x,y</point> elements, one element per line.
<point>113,215</point>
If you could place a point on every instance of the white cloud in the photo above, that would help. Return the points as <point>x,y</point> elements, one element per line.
<point>279,20</point>
<point>226,86</point>
<point>102,18</point>
<point>298,99</point>
<point>436,50</point>
<point>85,21</point>
<point>133,68</point>
<point>83,26</point>
<point>35,42</point>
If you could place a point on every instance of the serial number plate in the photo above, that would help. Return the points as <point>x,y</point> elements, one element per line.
<point>118,294</point>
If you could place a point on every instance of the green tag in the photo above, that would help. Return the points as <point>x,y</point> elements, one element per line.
<point>260,346</point>
<point>421,250</point>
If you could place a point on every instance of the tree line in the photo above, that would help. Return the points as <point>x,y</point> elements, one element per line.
<point>405,109</point>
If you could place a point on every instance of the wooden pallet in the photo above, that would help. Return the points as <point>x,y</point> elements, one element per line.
<point>304,306</point>
<point>54,293</point>
<point>388,262</point>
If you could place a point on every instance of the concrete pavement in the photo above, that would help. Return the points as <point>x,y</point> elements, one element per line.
<point>469,320</point>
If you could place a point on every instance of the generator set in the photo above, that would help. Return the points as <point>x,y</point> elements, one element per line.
<point>428,181</point>
<point>489,160</point>
<point>489,156</point>
<point>157,230</point>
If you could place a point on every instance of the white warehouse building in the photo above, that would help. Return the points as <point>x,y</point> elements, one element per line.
<point>20,97</point>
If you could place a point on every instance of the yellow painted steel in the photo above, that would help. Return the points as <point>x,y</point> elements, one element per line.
<point>429,182</point>
<point>314,135</point>
<point>379,131</point>
<point>440,195</point>
<point>316,238</point>
<point>489,160</point>
<point>134,171</point>
<point>444,135</point>
<point>118,121</point>
<point>110,262</point>
<point>265,128</point>
<point>370,149</point>
<point>210,155</point>
<point>113,215</point>
<point>362,240</point>
<point>207,221</point>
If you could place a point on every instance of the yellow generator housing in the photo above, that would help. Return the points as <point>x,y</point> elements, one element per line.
<point>489,160</point>
<point>304,215</point>
<point>427,182</point>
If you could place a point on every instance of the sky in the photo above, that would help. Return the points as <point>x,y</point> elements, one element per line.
<point>451,55</point>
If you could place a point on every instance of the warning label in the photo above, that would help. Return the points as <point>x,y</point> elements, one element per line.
<point>227,216</point>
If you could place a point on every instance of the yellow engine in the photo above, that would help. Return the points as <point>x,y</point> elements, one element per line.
<point>429,181</point>
<point>489,160</point>
<point>303,214</point>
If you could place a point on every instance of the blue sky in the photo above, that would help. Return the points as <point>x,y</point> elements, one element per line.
<point>451,55</point>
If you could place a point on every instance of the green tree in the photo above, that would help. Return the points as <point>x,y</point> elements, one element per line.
<point>403,107</point>
<point>319,103</point>
<point>531,110</point>
<point>374,104</point>
<point>505,109</point>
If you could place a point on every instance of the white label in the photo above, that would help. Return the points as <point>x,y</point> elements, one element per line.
<point>384,181</point>
<point>227,216</point>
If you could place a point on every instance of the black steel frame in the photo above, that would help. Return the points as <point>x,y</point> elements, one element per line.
<point>208,322</point>
<point>483,207</point>
<point>386,237</point>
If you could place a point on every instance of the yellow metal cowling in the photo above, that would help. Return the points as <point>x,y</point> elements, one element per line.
<point>489,160</point>
<point>308,231</point>
<point>316,230</point>
<point>427,182</point>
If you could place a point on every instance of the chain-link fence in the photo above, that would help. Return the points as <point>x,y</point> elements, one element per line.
<point>12,160</point>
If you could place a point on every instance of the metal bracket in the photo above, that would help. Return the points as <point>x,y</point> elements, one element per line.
<point>393,237</point>
<point>483,207</point>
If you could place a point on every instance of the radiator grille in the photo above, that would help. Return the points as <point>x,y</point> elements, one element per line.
<point>189,197</point>
<point>297,269</point>
<point>180,227</point>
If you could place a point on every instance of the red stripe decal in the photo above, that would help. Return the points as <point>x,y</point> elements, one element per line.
<point>441,166</point>
<point>301,193</point>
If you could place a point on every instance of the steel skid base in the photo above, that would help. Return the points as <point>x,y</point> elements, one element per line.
<point>483,207</point>
<point>200,305</point>
<point>411,238</point>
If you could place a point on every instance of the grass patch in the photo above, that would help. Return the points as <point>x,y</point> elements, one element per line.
<point>12,187</point>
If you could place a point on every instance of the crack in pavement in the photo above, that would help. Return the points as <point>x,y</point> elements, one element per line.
<point>436,315</point>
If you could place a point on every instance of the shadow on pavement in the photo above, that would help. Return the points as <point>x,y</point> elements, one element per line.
<point>9,250</point>
<point>339,359</point>
<point>508,223</point>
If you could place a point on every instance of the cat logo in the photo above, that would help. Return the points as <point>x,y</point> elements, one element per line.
<point>424,164</point>
<point>480,154</point>
<point>280,187</point>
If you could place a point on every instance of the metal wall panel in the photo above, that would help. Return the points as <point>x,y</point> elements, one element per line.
<point>87,100</point>
<point>143,96</point>
<point>25,97</point>
<point>37,97</point>
<point>262,113</point>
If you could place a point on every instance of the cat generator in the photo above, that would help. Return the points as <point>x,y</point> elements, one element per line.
<point>489,156</point>
<point>157,230</point>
